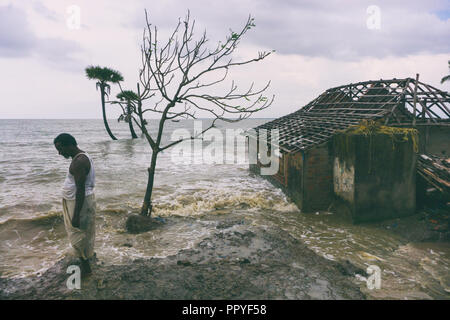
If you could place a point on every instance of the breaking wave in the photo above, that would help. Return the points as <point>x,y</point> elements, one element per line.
<point>49,218</point>
<point>221,202</point>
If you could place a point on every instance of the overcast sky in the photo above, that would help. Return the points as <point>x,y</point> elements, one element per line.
<point>319,44</point>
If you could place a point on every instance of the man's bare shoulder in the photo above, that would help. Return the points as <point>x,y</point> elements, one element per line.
<point>81,162</point>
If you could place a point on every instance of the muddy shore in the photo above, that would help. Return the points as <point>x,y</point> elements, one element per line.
<point>238,261</point>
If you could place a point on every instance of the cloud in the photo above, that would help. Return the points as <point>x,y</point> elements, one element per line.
<point>17,40</point>
<point>332,29</point>
<point>44,11</point>
<point>338,31</point>
<point>59,53</point>
<point>320,44</point>
<point>16,37</point>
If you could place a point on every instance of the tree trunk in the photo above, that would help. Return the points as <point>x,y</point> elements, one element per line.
<point>102,92</point>
<point>130,123</point>
<point>146,209</point>
<point>143,123</point>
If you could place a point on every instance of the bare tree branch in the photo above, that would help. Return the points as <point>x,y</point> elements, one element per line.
<point>177,76</point>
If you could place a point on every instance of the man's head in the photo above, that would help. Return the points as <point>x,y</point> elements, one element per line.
<point>66,145</point>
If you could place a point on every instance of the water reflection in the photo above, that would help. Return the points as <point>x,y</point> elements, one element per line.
<point>129,147</point>
<point>104,148</point>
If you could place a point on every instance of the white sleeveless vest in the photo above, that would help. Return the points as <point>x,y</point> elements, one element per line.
<point>69,188</point>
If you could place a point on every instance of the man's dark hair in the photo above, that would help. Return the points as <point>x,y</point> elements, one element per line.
<point>65,139</point>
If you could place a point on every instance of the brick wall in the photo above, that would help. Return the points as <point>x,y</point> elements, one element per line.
<point>318,178</point>
<point>307,179</point>
<point>294,172</point>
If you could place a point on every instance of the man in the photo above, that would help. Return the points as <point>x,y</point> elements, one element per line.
<point>78,199</point>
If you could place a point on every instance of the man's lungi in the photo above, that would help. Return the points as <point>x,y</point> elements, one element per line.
<point>82,239</point>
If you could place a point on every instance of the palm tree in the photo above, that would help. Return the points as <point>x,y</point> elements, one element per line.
<point>104,76</point>
<point>447,77</point>
<point>128,96</point>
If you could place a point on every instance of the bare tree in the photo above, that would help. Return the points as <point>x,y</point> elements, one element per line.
<point>177,78</point>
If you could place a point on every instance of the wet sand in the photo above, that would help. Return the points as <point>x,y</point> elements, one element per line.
<point>237,261</point>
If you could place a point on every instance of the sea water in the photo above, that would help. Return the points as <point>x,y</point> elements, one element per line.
<point>189,195</point>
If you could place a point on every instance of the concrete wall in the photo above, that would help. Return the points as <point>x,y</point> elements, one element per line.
<point>384,175</point>
<point>434,140</point>
<point>344,179</point>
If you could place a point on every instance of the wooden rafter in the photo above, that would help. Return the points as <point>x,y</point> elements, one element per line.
<point>341,107</point>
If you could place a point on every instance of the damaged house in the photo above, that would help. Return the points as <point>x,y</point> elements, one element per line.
<point>359,143</point>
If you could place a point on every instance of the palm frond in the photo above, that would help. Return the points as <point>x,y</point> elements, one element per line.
<point>127,95</point>
<point>103,74</point>
<point>107,89</point>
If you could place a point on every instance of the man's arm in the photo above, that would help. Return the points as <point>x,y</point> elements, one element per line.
<point>80,170</point>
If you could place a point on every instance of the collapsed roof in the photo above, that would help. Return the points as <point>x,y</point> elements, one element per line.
<point>399,102</point>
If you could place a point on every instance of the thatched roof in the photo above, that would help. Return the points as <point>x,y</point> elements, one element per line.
<point>399,102</point>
